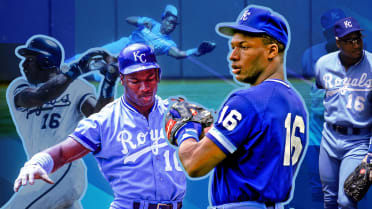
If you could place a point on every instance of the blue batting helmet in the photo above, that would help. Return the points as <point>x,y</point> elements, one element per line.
<point>137,57</point>
<point>49,51</point>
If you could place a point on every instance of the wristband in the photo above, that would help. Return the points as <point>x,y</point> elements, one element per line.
<point>42,159</point>
<point>189,130</point>
<point>191,51</point>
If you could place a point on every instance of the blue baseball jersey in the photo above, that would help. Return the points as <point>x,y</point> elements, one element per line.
<point>133,153</point>
<point>263,132</point>
<point>152,37</point>
<point>346,101</point>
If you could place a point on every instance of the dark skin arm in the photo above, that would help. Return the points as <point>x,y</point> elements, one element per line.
<point>177,53</point>
<point>198,158</point>
<point>34,97</point>
<point>133,20</point>
<point>65,152</point>
<point>62,153</point>
<point>53,88</point>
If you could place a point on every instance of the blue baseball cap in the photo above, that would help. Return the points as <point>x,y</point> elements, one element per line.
<point>257,20</point>
<point>137,57</point>
<point>345,26</point>
<point>330,17</point>
<point>169,10</point>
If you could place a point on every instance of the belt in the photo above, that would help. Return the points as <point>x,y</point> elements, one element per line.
<point>136,205</point>
<point>345,130</point>
<point>270,205</point>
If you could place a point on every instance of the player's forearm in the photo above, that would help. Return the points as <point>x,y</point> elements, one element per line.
<point>66,152</point>
<point>179,54</point>
<point>50,90</point>
<point>193,159</point>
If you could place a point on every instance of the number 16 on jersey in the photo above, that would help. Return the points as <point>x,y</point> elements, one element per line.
<point>293,144</point>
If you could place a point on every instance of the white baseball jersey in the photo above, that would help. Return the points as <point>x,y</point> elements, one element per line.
<point>346,101</point>
<point>133,153</point>
<point>42,127</point>
<point>49,124</point>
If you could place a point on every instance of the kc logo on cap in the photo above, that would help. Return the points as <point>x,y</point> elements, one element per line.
<point>259,20</point>
<point>345,26</point>
<point>245,15</point>
<point>140,56</point>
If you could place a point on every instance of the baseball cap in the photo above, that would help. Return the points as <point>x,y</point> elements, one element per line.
<point>137,57</point>
<point>345,26</point>
<point>257,20</point>
<point>169,10</point>
<point>330,17</point>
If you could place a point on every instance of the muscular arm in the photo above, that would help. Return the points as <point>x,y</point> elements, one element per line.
<point>60,154</point>
<point>33,97</point>
<point>198,158</point>
<point>66,152</point>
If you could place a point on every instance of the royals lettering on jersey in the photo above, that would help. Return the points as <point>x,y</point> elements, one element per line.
<point>264,146</point>
<point>46,125</point>
<point>346,91</point>
<point>133,153</point>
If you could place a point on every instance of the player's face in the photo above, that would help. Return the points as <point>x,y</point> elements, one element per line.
<point>248,57</point>
<point>32,70</point>
<point>168,24</point>
<point>140,88</point>
<point>351,45</point>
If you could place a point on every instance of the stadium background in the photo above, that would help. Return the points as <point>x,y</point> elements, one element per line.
<point>83,24</point>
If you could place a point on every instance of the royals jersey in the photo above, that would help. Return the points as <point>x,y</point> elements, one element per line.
<point>152,37</point>
<point>346,95</point>
<point>44,126</point>
<point>263,132</point>
<point>133,153</point>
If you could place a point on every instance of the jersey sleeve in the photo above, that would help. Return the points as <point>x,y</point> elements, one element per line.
<point>88,132</point>
<point>318,82</point>
<point>235,125</point>
<point>15,87</point>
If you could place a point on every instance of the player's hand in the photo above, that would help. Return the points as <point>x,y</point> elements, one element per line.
<point>111,69</point>
<point>205,47</point>
<point>28,174</point>
<point>84,61</point>
<point>184,119</point>
<point>84,65</point>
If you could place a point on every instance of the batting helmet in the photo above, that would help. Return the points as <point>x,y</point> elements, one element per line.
<point>49,51</point>
<point>137,57</point>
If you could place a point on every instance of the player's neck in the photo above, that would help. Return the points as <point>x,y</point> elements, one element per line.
<point>273,71</point>
<point>347,62</point>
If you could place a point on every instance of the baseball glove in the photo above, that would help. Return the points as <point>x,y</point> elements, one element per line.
<point>182,112</point>
<point>205,47</point>
<point>358,182</point>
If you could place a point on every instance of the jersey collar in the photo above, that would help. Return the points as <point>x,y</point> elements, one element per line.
<point>279,81</point>
<point>130,107</point>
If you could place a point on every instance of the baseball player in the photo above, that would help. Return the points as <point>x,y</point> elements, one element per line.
<point>157,35</point>
<point>346,76</point>
<point>46,104</point>
<point>127,139</point>
<point>316,111</point>
<point>259,138</point>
